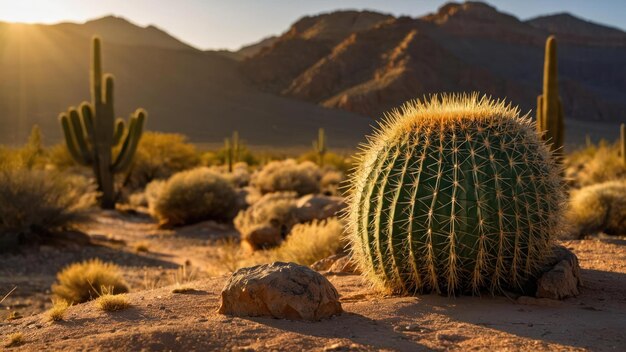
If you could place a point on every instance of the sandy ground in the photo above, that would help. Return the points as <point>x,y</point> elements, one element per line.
<point>162,320</point>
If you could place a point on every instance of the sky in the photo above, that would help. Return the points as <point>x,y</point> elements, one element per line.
<point>229,24</point>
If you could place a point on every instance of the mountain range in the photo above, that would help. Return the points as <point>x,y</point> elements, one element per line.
<point>339,70</point>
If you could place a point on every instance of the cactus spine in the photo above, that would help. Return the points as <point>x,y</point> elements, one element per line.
<point>622,140</point>
<point>233,149</point>
<point>319,146</point>
<point>456,195</point>
<point>550,123</point>
<point>92,133</point>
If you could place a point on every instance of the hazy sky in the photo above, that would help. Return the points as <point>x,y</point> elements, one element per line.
<point>212,24</point>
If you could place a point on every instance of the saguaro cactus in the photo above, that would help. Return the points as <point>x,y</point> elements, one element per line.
<point>319,146</point>
<point>456,194</point>
<point>92,133</point>
<point>232,148</point>
<point>622,140</point>
<point>550,123</point>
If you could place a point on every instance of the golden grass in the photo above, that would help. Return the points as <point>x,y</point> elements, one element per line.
<point>111,303</point>
<point>598,208</point>
<point>57,312</point>
<point>183,289</point>
<point>306,244</point>
<point>14,339</point>
<point>81,282</point>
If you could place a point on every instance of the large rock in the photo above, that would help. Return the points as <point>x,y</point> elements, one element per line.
<point>280,290</point>
<point>562,279</point>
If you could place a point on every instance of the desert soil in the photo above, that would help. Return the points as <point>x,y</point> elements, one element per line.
<point>162,320</point>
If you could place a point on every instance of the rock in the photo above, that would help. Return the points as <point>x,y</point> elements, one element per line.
<point>562,279</point>
<point>262,237</point>
<point>280,290</point>
<point>344,265</point>
<point>317,206</point>
<point>326,263</point>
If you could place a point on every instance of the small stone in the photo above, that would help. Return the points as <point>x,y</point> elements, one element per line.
<point>280,290</point>
<point>563,279</point>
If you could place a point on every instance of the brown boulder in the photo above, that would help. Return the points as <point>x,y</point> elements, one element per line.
<point>317,206</point>
<point>280,290</point>
<point>563,279</point>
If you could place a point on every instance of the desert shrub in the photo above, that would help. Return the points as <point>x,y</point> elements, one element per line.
<point>32,200</point>
<point>332,160</point>
<point>331,182</point>
<point>112,302</point>
<point>274,210</point>
<point>195,195</point>
<point>598,208</point>
<point>159,156</point>
<point>594,164</point>
<point>308,243</point>
<point>81,282</point>
<point>14,339</point>
<point>287,175</point>
<point>57,312</point>
<point>148,197</point>
<point>218,157</point>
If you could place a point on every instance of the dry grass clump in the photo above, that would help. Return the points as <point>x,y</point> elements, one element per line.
<point>594,164</point>
<point>32,200</point>
<point>288,175</point>
<point>598,208</point>
<point>330,184</point>
<point>142,247</point>
<point>308,243</point>
<point>14,339</point>
<point>57,312</point>
<point>112,302</point>
<point>81,282</point>
<point>195,195</point>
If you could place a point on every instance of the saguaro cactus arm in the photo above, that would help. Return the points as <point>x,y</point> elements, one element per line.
<point>131,141</point>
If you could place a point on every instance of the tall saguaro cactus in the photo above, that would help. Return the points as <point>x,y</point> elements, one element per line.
<point>92,133</point>
<point>549,107</point>
<point>455,194</point>
<point>232,149</point>
<point>622,142</point>
<point>319,146</point>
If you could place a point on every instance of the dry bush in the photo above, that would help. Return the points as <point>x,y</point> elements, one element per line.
<point>112,302</point>
<point>274,210</point>
<point>39,201</point>
<point>594,164</point>
<point>195,195</point>
<point>81,282</point>
<point>159,156</point>
<point>148,196</point>
<point>287,175</point>
<point>335,161</point>
<point>598,208</point>
<point>308,243</point>
<point>57,312</point>
<point>331,182</point>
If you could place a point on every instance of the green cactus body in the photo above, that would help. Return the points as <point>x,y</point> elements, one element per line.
<point>319,146</point>
<point>92,133</point>
<point>456,194</point>
<point>232,150</point>
<point>550,121</point>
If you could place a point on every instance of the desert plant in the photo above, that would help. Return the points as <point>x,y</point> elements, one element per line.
<point>112,302</point>
<point>288,175</point>
<point>622,142</point>
<point>14,339</point>
<point>57,312</point>
<point>319,147</point>
<point>269,220</point>
<point>598,208</point>
<point>310,242</point>
<point>33,201</point>
<point>549,107</point>
<point>232,149</point>
<point>454,194</point>
<point>195,195</point>
<point>159,156</point>
<point>594,164</point>
<point>91,132</point>
<point>81,282</point>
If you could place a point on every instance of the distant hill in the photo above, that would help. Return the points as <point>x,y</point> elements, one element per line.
<point>461,47</point>
<point>44,69</point>
<point>338,70</point>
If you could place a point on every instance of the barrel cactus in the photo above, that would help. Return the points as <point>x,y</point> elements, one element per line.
<point>454,194</point>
